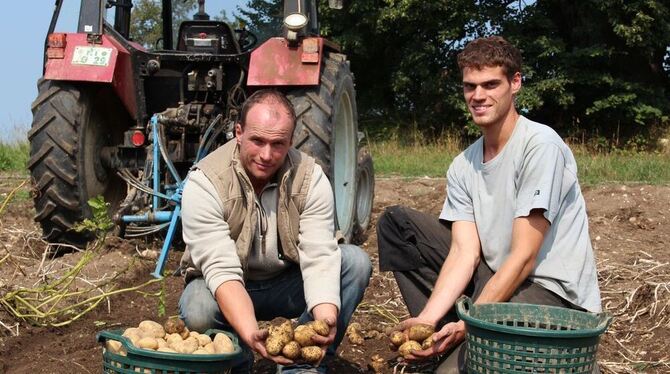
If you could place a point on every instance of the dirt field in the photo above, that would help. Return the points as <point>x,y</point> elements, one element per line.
<point>629,229</point>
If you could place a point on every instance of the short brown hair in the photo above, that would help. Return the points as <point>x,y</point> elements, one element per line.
<point>267,96</point>
<point>491,52</point>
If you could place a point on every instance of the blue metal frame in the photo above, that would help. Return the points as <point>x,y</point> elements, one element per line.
<point>161,216</point>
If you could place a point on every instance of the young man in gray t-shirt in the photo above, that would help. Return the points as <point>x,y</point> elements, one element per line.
<point>513,226</point>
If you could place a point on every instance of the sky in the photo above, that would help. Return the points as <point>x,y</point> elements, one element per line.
<point>23,25</point>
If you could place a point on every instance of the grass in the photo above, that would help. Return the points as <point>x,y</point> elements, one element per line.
<point>14,156</point>
<point>431,159</point>
<point>416,157</point>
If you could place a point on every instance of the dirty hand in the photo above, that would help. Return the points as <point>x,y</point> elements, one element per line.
<point>449,336</point>
<point>256,340</point>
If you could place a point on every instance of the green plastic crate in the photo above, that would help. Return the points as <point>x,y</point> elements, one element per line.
<point>146,361</point>
<point>526,338</point>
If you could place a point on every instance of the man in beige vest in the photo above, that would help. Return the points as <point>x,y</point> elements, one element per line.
<point>258,223</point>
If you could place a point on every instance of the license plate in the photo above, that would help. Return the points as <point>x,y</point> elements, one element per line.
<point>96,56</point>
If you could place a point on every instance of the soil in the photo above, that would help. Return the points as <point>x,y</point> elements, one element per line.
<point>629,230</point>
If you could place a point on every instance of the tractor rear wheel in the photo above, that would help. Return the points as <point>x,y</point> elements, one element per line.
<point>327,129</point>
<point>365,187</point>
<point>70,126</point>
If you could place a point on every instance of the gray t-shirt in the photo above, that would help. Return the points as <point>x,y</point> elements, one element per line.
<point>535,170</point>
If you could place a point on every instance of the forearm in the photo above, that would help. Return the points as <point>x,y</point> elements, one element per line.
<point>237,308</point>
<point>454,277</point>
<point>527,237</point>
<point>456,271</point>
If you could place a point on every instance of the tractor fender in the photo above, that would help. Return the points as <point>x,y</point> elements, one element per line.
<point>278,63</point>
<point>113,65</point>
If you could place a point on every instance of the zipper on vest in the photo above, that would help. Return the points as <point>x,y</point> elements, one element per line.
<point>262,224</point>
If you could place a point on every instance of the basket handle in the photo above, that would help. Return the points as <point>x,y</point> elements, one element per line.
<point>463,305</point>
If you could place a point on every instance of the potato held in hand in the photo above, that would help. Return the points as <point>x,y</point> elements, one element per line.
<point>407,347</point>
<point>303,335</point>
<point>420,332</point>
<point>311,354</point>
<point>320,327</point>
<point>397,338</point>
<point>291,350</point>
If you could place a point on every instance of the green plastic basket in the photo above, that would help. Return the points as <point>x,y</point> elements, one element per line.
<point>146,361</point>
<point>526,338</point>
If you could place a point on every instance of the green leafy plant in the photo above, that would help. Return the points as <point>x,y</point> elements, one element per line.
<point>100,223</point>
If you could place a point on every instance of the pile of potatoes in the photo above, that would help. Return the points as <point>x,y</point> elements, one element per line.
<point>416,338</point>
<point>173,337</point>
<point>296,344</point>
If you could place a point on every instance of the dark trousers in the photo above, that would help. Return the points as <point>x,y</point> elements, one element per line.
<point>414,245</point>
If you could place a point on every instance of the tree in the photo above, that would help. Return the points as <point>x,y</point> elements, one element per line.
<point>263,17</point>
<point>596,66</point>
<point>146,26</point>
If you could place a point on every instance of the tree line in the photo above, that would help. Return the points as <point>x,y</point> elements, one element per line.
<point>592,68</point>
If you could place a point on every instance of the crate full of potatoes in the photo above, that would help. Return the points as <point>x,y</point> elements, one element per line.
<point>168,348</point>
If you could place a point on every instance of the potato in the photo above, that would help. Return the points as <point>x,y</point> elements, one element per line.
<point>185,333</point>
<point>420,332</point>
<point>113,346</point>
<point>427,343</point>
<point>154,329</point>
<point>203,339</point>
<point>133,336</point>
<point>377,364</point>
<point>398,337</point>
<point>275,343</point>
<point>303,335</point>
<point>291,350</point>
<point>223,344</point>
<point>161,342</point>
<point>173,338</point>
<point>320,327</point>
<point>311,354</point>
<point>201,351</point>
<point>166,349</point>
<point>148,343</point>
<point>134,331</point>
<point>285,328</point>
<point>354,334</point>
<point>186,346</point>
<point>174,325</point>
<point>210,348</point>
<point>407,347</point>
<point>356,338</point>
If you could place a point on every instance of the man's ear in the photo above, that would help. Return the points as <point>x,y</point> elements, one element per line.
<point>516,83</point>
<point>238,132</point>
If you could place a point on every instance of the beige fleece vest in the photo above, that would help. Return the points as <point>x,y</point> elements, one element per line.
<point>223,168</point>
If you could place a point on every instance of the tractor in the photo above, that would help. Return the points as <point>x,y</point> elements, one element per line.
<point>115,119</point>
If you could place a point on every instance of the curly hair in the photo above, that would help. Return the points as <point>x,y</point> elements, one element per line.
<point>491,52</point>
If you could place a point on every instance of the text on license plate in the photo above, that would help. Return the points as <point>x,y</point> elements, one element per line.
<point>96,56</point>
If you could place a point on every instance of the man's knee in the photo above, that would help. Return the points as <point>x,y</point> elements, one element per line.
<point>390,227</point>
<point>197,307</point>
<point>356,263</point>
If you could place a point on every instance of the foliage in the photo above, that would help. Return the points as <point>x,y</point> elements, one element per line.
<point>100,223</point>
<point>13,156</point>
<point>594,66</point>
<point>146,27</point>
<point>263,17</point>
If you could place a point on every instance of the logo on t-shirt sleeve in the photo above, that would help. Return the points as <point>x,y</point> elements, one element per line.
<point>537,193</point>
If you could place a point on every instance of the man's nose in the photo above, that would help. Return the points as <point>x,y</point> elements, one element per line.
<point>479,94</point>
<point>266,152</point>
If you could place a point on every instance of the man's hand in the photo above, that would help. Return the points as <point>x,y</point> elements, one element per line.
<point>327,313</point>
<point>256,340</point>
<point>449,336</point>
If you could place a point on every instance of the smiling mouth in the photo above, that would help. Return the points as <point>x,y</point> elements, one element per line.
<point>479,109</point>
